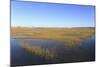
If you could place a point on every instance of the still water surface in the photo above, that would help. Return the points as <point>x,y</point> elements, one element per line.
<point>85,51</point>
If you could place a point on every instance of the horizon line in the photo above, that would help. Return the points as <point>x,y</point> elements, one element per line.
<point>52,27</point>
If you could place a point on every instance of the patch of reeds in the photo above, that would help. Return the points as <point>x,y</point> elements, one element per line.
<point>37,50</point>
<point>67,35</point>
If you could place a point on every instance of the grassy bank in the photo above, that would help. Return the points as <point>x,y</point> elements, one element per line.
<point>70,36</point>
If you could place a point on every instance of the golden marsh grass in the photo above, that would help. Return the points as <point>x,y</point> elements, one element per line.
<point>37,50</point>
<point>70,36</point>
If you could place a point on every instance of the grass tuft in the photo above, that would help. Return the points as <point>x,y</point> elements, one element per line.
<point>37,50</point>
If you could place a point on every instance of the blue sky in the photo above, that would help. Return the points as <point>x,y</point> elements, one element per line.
<point>35,14</point>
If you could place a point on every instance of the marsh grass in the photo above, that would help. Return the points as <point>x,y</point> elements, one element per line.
<point>70,36</point>
<point>37,50</point>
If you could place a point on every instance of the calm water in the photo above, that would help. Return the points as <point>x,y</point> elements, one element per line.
<point>85,51</point>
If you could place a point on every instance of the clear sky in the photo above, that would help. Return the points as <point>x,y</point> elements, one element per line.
<point>32,14</point>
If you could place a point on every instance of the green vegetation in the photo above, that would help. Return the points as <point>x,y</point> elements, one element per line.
<point>70,36</point>
<point>37,50</point>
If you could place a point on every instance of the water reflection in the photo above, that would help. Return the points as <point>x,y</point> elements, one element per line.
<point>85,51</point>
